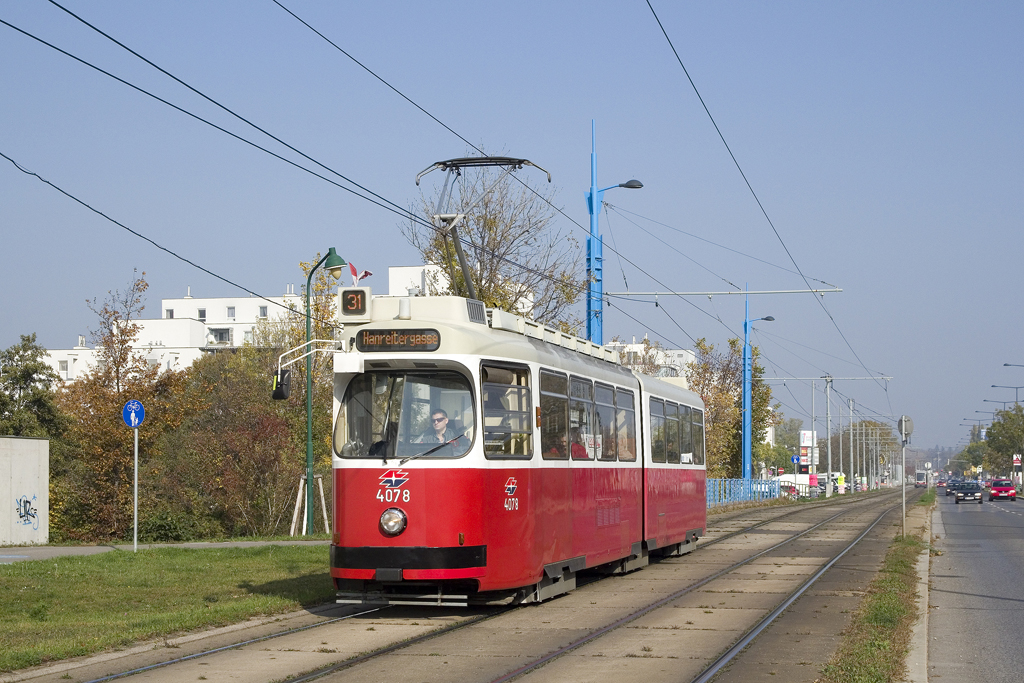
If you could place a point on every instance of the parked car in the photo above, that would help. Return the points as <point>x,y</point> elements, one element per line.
<point>970,491</point>
<point>1002,488</point>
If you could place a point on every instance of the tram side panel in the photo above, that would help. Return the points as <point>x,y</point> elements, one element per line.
<point>675,501</point>
<point>606,511</point>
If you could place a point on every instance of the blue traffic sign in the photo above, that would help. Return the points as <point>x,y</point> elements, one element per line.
<point>133,414</point>
<point>795,459</point>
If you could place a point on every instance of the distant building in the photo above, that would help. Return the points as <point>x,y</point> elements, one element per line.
<point>670,362</point>
<point>188,328</point>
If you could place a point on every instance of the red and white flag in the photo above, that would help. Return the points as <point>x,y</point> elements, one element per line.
<point>356,275</point>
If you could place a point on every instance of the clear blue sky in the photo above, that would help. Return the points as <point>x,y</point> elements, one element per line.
<point>884,140</point>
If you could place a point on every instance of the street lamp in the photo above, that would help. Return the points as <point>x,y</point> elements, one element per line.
<point>333,264</point>
<point>1016,390</point>
<point>747,403</point>
<point>987,400</point>
<point>595,246</point>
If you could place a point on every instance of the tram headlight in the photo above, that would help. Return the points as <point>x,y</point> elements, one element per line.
<point>393,521</point>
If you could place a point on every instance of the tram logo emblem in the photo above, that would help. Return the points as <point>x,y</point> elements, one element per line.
<point>393,479</point>
<point>510,486</point>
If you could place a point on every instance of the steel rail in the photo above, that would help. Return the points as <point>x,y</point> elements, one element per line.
<point>737,647</point>
<point>204,653</point>
<point>406,643</point>
<point>812,506</point>
<point>657,604</point>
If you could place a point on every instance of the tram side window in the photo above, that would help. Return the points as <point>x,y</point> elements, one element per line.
<point>508,412</point>
<point>657,430</point>
<point>685,436</point>
<point>554,416</point>
<point>672,432</point>
<point>582,439</point>
<point>698,437</point>
<point>604,414</point>
<point>625,425</point>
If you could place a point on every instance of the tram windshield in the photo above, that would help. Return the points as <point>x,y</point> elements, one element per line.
<point>403,414</point>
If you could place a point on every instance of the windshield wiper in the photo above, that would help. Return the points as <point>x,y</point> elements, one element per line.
<point>432,450</point>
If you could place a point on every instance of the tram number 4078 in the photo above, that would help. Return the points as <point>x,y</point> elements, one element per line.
<point>511,503</point>
<point>393,495</point>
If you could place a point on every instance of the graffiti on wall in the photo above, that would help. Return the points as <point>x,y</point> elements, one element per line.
<point>27,513</point>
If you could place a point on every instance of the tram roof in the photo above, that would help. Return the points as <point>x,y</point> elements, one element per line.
<point>466,326</point>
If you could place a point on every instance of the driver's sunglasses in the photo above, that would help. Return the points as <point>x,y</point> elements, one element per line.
<point>439,419</point>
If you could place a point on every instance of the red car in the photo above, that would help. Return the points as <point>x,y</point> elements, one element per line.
<point>1002,488</point>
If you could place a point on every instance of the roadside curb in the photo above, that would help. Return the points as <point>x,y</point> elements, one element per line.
<point>917,658</point>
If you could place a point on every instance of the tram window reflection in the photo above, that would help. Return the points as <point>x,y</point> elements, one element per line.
<point>685,436</point>
<point>698,436</point>
<point>390,415</point>
<point>658,452</point>
<point>582,439</point>
<point>672,432</point>
<point>554,416</point>
<point>604,416</point>
<point>625,425</point>
<point>507,412</point>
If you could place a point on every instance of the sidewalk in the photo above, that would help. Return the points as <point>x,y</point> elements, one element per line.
<point>917,659</point>
<point>11,554</point>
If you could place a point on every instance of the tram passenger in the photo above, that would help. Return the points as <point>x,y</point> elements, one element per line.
<point>439,430</point>
<point>578,449</point>
<point>557,446</point>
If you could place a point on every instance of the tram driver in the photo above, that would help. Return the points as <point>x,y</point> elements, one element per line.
<point>439,430</point>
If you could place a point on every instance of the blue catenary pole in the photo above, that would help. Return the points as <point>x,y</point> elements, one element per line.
<point>746,390</point>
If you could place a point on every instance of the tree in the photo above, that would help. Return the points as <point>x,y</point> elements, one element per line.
<point>647,361</point>
<point>28,406</point>
<point>1005,438</point>
<point>288,332</point>
<point>117,333</point>
<point>232,466</point>
<point>718,378</point>
<point>520,261</point>
<point>92,468</point>
<point>787,433</point>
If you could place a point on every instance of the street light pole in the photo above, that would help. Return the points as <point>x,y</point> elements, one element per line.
<point>747,402</point>
<point>333,264</point>
<point>828,433</point>
<point>1016,390</point>
<point>595,246</point>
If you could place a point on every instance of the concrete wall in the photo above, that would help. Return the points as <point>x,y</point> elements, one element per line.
<point>24,490</point>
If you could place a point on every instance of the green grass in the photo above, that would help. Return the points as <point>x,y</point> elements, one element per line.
<point>928,497</point>
<point>876,644</point>
<point>70,606</point>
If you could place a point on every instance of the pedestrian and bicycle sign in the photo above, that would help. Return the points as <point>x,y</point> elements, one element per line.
<point>133,414</point>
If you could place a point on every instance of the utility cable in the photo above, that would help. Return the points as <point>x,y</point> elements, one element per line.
<point>608,221</point>
<point>476,148</point>
<point>151,241</point>
<point>684,255</point>
<point>754,194</point>
<point>393,208</point>
<point>619,209</point>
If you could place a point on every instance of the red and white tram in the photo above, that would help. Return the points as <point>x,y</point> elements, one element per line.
<point>480,457</point>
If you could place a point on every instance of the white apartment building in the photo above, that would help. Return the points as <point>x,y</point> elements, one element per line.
<point>670,362</point>
<point>188,328</point>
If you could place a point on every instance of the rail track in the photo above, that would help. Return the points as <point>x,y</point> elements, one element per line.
<point>536,641</point>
